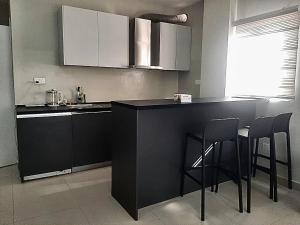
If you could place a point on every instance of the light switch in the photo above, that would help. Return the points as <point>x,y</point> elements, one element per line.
<point>197,82</point>
<point>39,80</point>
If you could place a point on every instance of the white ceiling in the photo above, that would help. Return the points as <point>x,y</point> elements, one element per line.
<point>174,3</point>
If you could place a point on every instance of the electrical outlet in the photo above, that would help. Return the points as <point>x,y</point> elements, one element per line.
<point>197,82</point>
<point>39,80</point>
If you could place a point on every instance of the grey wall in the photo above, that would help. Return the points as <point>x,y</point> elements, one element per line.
<point>187,80</point>
<point>248,8</point>
<point>214,47</point>
<point>35,54</point>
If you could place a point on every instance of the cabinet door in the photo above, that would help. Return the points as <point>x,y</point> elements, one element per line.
<point>91,138</point>
<point>80,36</point>
<point>167,57</point>
<point>113,40</point>
<point>183,48</point>
<point>44,144</point>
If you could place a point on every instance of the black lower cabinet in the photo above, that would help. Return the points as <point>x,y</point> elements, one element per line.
<point>91,138</point>
<point>44,143</point>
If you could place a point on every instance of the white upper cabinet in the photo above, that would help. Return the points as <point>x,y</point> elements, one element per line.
<point>183,48</point>
<point>113,40</point>
<point>174,46</point>
<point>80,36</point>
<point>167,53</point>
<point>92,38</point>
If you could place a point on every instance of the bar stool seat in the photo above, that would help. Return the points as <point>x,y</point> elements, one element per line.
<point>243,132</point>
<point>217,130</point>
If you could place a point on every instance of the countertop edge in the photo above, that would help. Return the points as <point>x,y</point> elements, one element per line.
<point>174,104</point>
<point>23,110</point>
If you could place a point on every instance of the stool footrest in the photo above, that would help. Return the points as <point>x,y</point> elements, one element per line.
<point>263,169</point>
<point>267,157</point>
<point>198,167</point>
<point>193,178</point>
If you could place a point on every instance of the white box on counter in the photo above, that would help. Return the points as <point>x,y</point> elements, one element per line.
<point>183,98</point>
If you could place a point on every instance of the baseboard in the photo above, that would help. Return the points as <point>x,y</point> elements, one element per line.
<point>284,181</point>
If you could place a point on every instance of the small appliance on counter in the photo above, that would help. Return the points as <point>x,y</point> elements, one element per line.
<point>54,98</point>
<point>183,98</point>
<point>80,96</point>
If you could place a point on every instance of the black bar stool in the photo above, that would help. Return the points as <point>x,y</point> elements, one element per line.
<point>260,128</point>
<point>217,130</point>
<point>281,125</point>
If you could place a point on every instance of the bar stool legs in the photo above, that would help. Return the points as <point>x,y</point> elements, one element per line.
<point>288,141</point>
<point>218,167</point>
<point>183,166</point>
<point>249,166</point>
<point>212,179</point>
<point>274,170</point>
<point>255,157</point>
<point>203,182</point>
<point>239,176</point>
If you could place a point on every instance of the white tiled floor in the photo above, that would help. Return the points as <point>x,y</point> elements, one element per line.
<point>84,198</point>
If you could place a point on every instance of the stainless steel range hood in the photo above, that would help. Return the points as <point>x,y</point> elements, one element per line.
<point>140,44</point>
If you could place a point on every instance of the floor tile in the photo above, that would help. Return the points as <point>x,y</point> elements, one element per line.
<point>186,210</point>
<point>6,200</point>
<point>91,193</point>
<point>6,171</point>
<point>40,187</point>
<point>88,178</point>
<point>40,197</point>
<point>85,198</point>
<point>293,219</point>
<point>106,211</point>
<point>67,217</point>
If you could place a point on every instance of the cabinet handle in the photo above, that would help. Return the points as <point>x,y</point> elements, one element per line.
<point>80,113</point>
<point>40,115</point>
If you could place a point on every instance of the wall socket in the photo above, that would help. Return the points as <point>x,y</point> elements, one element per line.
<point>39,80</point>
<point>197,82</point>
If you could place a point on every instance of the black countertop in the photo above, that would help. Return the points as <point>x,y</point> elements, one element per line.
<point>162,103</point>
<point>90,107</point>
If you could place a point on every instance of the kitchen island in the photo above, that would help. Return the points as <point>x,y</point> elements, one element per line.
<point>148,142</point>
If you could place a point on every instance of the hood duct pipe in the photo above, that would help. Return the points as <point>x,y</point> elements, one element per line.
<point>181,18</point>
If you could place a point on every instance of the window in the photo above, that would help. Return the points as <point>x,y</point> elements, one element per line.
<point>263,55</point>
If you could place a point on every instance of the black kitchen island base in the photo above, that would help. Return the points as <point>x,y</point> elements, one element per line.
<point>148,142</point>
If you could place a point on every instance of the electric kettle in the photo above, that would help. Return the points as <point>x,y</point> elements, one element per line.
<point>54,98</point>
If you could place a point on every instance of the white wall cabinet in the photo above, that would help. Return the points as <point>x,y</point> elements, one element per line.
<point>92,38</point>
<point>79,36</point>
<point>174,46</point>
<point>167,57</point>
<point>183,48</point>
<point>113,40</point>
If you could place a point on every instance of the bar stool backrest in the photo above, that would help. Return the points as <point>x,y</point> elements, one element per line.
<point>282,122</point>
<point>222,129</point>
<point>261,127</point>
